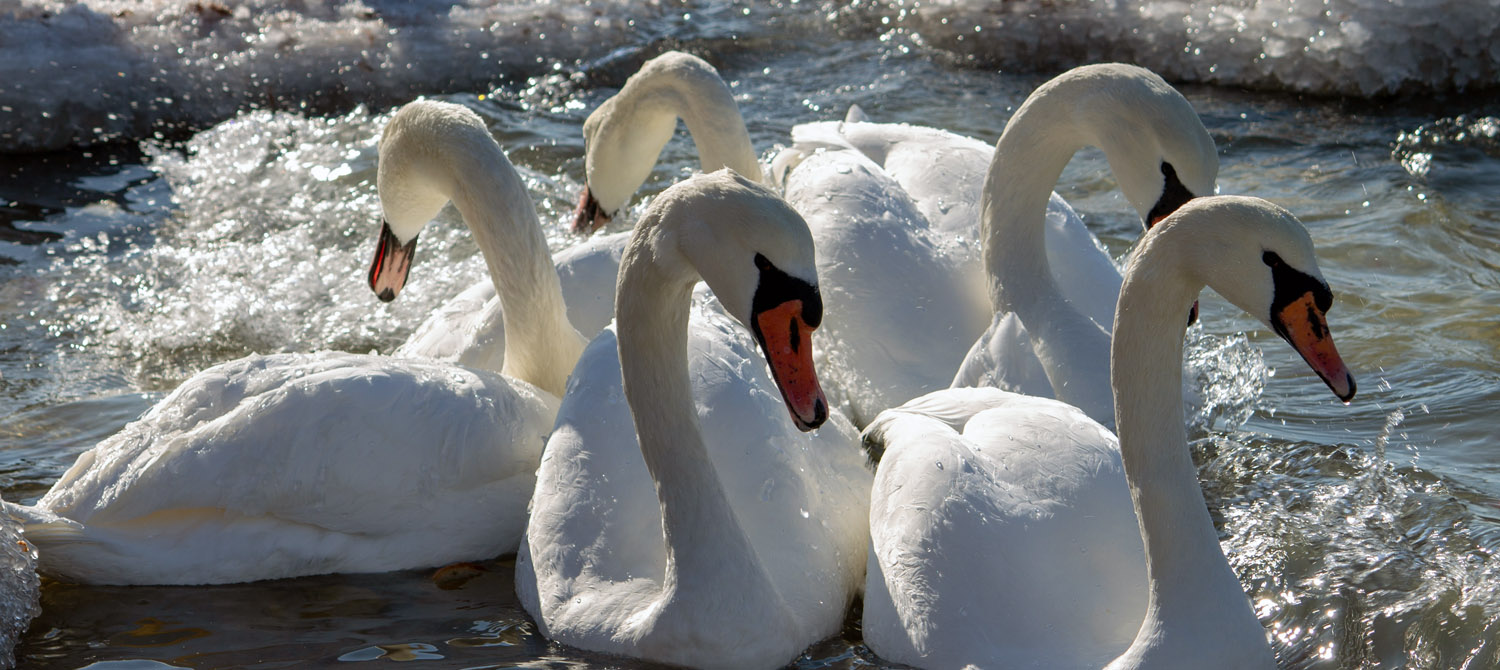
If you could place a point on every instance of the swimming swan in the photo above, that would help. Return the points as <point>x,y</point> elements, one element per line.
<point>298,464</point>
<point>1004,527</point>
<point>466,329</point>
<point>678,516</point>
<point>624,138</point>
<point>1160,154</point>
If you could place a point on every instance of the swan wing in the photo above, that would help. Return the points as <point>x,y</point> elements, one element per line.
<point>1010,538</point>
<point>274,466</point>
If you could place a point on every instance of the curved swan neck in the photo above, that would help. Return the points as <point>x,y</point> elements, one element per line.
<point>674,86</point>
<point>541,344</point>
<point>703,536</point>
<point>1029,158</point>
<point>1191,586</point>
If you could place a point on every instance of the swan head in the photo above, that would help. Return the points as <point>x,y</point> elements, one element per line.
<point>1259,257</point>
<point>624,137</point>
<point>415,179</point>
<point>1155,143</point>
<point>756,254</point>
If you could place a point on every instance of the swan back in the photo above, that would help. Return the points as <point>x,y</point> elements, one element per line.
<point>626,134</point>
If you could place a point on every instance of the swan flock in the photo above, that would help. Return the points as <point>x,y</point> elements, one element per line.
<point>888,363</point>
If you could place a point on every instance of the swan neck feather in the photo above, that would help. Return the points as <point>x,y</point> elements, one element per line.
<point>1192,588</point>
<point>705,545</point>
<point>541,344</point>
<point>1029,158</point>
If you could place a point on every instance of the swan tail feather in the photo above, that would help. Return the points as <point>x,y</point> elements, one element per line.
<point>44,527</point>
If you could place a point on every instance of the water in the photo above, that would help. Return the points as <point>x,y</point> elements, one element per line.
<point>1364,534</point>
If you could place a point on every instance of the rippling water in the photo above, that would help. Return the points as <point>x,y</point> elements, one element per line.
<point>1365,534</point>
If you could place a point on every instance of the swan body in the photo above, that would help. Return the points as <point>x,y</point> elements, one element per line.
<point>899,319</point>
<point>714,533</point>
<point>250,471</point>
<point>1000,523</point>
<point>298,464</point>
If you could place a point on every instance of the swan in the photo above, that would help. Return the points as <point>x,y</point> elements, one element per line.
<point>714,534</point>
<point>624,137</point>
<point>1013,530</point>
<point>1052,287</point>
<point>296,464</point>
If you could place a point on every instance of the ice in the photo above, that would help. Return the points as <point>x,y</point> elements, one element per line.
<point>19,587</point>
<point>1334,47</point>
<point>75,73</point>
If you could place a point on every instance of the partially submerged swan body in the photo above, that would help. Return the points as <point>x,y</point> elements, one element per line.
<point>297,464</point>
<point>1015,531</point>
<point>679,517</point>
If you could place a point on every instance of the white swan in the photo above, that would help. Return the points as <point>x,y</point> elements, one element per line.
<point>624,137</point>
<point>297,464</point>
<point>714,534</point>
<point>1161,156</point>
<point>1046,337</point>
<point>1001,525</point>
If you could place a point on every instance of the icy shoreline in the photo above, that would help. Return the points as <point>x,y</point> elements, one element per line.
<point>78,73</point>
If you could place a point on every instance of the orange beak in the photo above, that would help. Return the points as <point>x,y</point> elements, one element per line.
<point>1303,325</point>
<point>588,217</point>
<point>392,261</point>
<point>787,342</point>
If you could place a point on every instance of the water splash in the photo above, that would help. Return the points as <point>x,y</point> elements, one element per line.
<point>1352,561</point>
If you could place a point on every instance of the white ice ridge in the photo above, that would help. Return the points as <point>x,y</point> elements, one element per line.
<point>74,73</point>
<point>1359,48</point>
